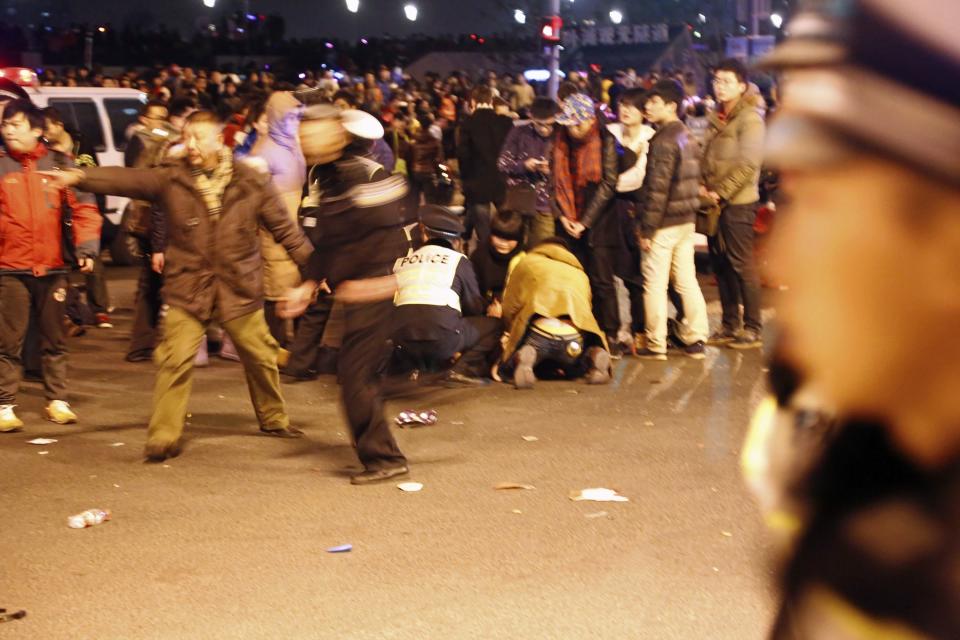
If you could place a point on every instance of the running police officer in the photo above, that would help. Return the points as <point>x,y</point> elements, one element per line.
<point>354,214</point>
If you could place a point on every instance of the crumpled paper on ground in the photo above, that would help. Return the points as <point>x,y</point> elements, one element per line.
<point>598,494</point>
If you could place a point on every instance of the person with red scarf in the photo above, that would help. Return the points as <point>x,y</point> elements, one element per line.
<point>585,169</point>
<point>35,257</point>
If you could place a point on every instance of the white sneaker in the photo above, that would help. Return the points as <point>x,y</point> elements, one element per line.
<point>60,412</point>
<point>9,422</point>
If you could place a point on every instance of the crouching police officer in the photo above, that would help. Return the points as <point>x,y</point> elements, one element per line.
<point>439,305</point>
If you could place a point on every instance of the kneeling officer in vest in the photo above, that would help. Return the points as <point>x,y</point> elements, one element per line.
<point>439,305</point>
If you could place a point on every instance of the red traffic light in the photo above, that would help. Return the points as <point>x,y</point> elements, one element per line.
<point>550,29</point>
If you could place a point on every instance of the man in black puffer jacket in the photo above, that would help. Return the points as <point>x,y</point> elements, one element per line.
<point>668,202</point>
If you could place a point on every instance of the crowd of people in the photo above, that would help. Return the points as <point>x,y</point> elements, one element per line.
<point>528,209</point>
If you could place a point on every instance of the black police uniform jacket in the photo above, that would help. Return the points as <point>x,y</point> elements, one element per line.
<point>354,213</point>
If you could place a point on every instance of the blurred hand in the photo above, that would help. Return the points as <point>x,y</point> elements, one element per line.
<point>157,262</point>
<point>63,179</point>
<point>532,164</point>
<point>366,290</point>
<point>296,300</point>
<point>85,264</point>
<point>646,244</point>
<point>495,310</point>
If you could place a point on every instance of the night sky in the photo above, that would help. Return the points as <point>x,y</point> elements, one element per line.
<point>304,18</point>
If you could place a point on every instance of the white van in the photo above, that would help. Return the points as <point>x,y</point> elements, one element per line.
<point>102,116</point>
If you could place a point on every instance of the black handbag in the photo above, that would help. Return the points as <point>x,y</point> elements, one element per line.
<point>521,198</point>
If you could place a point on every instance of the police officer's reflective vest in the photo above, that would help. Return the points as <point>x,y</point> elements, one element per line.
<point>426,277</point>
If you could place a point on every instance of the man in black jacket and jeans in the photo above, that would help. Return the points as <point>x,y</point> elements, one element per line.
<point>668,202</point>
<point>481,137</point>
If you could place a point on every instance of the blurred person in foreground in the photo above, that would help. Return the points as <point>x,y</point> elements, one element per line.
<point>868,246</point>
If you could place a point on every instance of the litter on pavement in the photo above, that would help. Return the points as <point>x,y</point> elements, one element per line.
<point>506,486</point>
<point>343,548</point>
<point>15,615</point>
<point>41,441</point>
<point>598,494</point>
<point>118,444</point>
<point>530,438</point>
<point>413,418</point>
<point>598,514</point>
<point>88,518</point>
<point>410,487</point>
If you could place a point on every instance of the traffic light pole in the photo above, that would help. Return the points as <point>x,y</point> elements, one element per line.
<point>553,64</point>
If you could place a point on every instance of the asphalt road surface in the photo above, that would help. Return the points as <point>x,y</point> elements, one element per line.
<point>229,540</point>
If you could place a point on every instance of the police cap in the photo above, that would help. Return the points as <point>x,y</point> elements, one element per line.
<point>440,221</point>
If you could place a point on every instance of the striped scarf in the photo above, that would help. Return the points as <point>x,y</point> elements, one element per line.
<point>212,187</point>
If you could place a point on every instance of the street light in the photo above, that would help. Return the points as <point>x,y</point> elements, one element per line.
<point>411,12</point>
<point>520,16</point>
<point>353,6</point>
<point>209,4</point>
<point>616,17</point>
<point>776,19</point>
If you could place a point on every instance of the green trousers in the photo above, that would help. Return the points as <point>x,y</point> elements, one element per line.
<point>175,355</point>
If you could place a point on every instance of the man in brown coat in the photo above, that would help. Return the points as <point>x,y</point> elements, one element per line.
<point>731,175</point>
<point>213,268</point>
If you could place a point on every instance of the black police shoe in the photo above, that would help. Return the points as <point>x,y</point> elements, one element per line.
<point>456,379</point>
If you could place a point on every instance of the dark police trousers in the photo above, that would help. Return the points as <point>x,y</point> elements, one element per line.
<point>475,340</point>
<point>305,348</point>
<point>363,356</point>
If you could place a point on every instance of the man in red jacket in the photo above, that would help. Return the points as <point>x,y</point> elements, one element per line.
<point>35,257</point>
